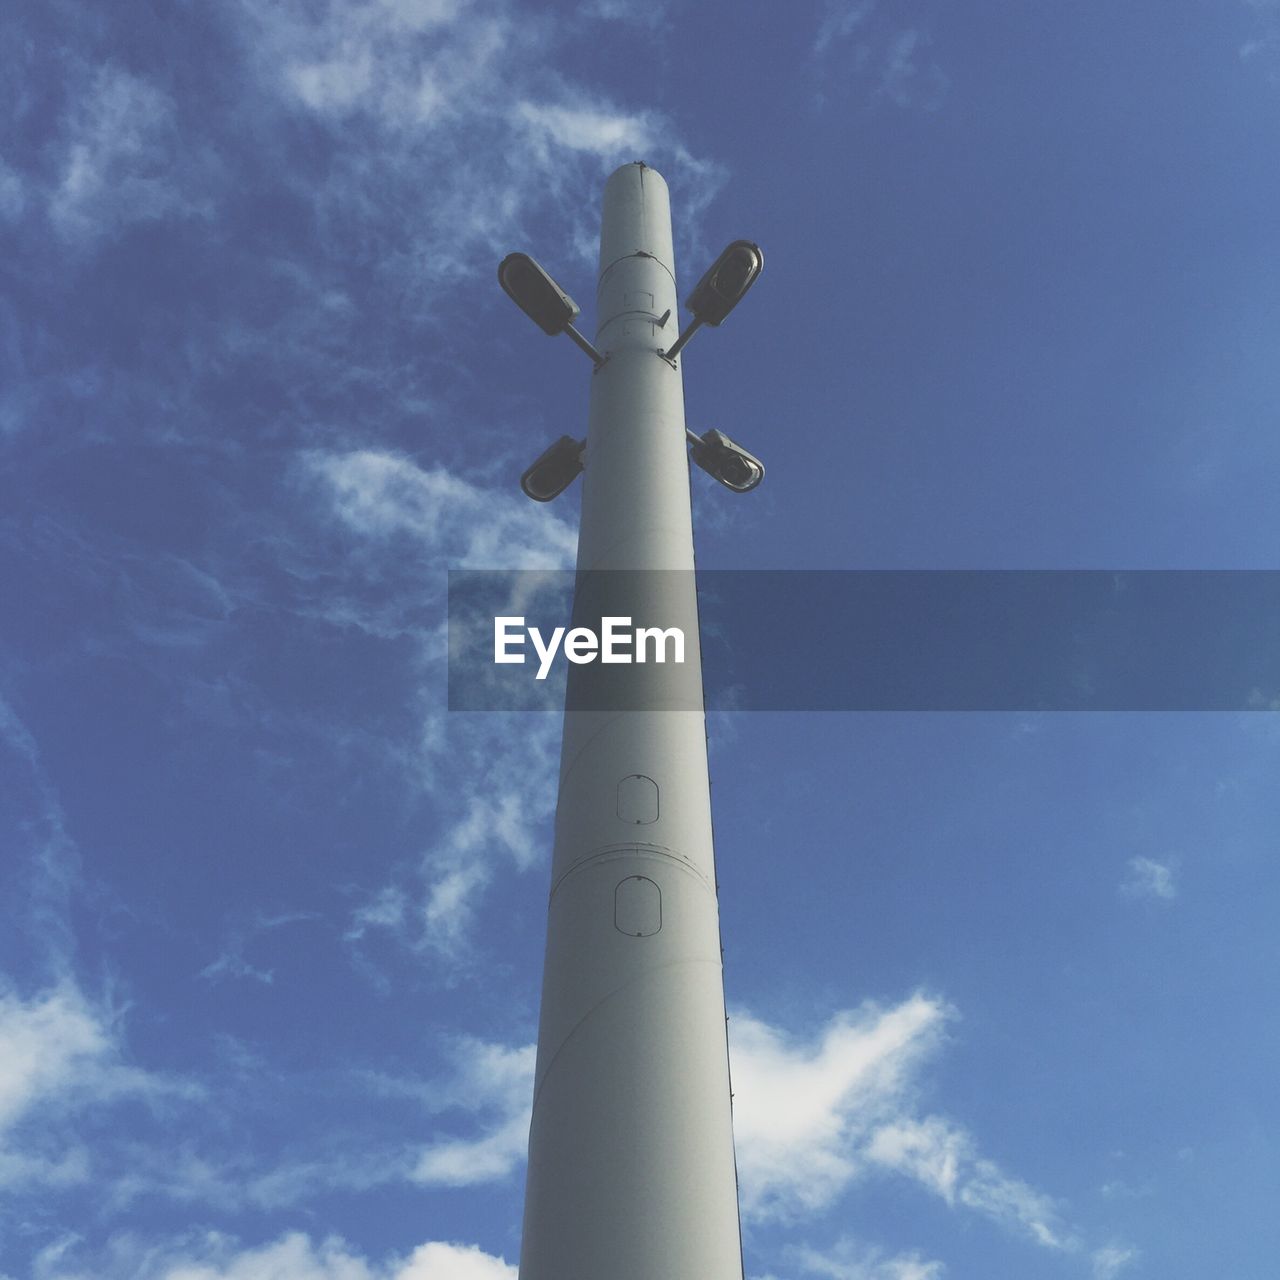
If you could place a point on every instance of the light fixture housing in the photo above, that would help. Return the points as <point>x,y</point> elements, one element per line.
<point>554,470</point>
<point>726,282</point>
<point>529,286</point>
<point>726,461</point>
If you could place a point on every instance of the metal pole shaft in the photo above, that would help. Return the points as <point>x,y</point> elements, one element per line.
<point>631,1165</point>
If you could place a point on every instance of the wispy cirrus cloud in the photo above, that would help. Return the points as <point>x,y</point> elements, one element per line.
<point>850,1259</point>
<point>803,1109</point>
<point>463,1125</point>
<point>495,787</point>
<point>1111,1260</point>
<point>840,19</point>
<point>1262,46</point>
<point>13,193</point>
<point>494,825</point>
<point>44,852</point>
<point>404,63</point>
<point>455,523</point>
<point>652,16</point>
<point>494,1081</point>
<point>456,89</point>
<point>437,134</point>
<point>124,160</point>
<point>60,1057</point>
<point>909,76</point>
<point>352,160</point>
<point>295,1256</point>
<point>232,962</point>
<point>859,41</point>
<point>942,1157</point>
<point>64,1065</point>
<point>1148,878</point>
<point>592,132</point>
<point>812,1116</point>
<point>482,1106</point>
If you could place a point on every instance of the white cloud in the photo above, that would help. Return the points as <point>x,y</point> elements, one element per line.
<point>986,1188</point>
<point>840,19</point>
<point>336,85</point>
<point>450,904</point>
<point>46,1046</point>
<point>1259,701</point>
<point>24,1171</point>
<point>385,910</point>
<point>53,866</point>
<point>122,160</point>
<point>893,59</point>
<point>1149,879</point>
<point>63,1063</point>
<point>929,1150</point>
<point>612,136</point>
<point>802,1112</point>
<point>13,193</point>
<point>494,824</point>
<point>941,1156</point>
<point>501,795</point>
<point>231,964</point>
<point>1264,44</point>
<point>479,1108</point>
<point>438,1261</point>
<point>468,1163</point>
<point>1109,1261</point>
<point>401,61</point>
<point>810,1118</point>
<point>60,1056</point>
<point>295,1256</point>
<point>491,1079</point>
<point>206,1173</point>
<point>849,1260</point>
<point>457,523</point>
<point>231,961</point>
<point>652,14</point>
<point>435,90</point>
<point>907,77</point>
<point>496,788</point>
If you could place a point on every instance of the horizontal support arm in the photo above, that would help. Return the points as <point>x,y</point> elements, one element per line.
<point>679,343</point>
<point>596,358</point>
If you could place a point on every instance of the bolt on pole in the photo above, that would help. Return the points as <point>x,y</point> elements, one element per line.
<point>631,1170</point>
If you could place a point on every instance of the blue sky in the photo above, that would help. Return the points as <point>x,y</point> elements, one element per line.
<point>1002,987</point>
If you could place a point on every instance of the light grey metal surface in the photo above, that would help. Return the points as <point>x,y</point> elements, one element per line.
<point>631,1166</point>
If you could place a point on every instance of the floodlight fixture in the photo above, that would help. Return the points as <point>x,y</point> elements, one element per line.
<point>554,469</point>
<point>721,289</point>
<point>726,282</point>
<point>528,285</point>
<point>726,461</point>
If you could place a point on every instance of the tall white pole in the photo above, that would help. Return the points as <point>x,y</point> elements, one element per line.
<point>631,1165</point>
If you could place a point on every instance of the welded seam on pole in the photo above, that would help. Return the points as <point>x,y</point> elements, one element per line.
<point>650,257</point>
<point>634,851</point>
<point>656,970</point>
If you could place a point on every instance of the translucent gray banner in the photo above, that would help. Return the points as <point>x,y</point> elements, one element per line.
<point>875,640</point>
